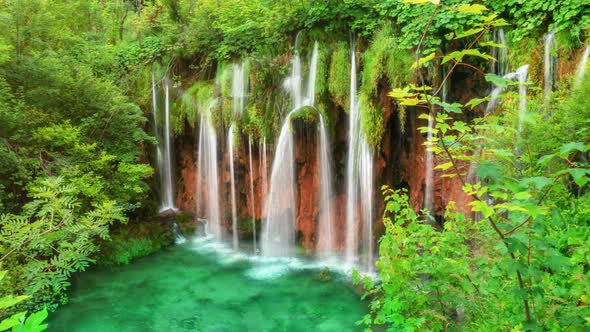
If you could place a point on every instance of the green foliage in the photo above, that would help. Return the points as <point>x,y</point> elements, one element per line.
<point>424,272</point>
<point>18,321</point>
<point>56,234</point>
<point>533,18</point>
<point>524,268</point>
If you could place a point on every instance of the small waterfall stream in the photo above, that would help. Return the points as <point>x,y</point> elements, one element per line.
<point>582,67</point>
<point>549,64</point>
<point>500,65</point>
<point>359,178</point>
<point>326,242</point>
<point>253,206</point>
<point>234,214</point>
<point>164,148</point>
<point>208,175</point>
<point>522,76</point>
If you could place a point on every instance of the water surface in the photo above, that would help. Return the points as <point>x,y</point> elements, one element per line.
<point>194,288</point>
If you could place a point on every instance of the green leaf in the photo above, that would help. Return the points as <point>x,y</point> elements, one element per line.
<point>451,108</point>
<point>568,148</point>
<point>538,182</point>
<point>497,80</point>
<point>34,322</point>
<point>477,53</point>
<point>9,301</point>
<point>417,2</point>
<point>488,170</point>
<point>491,44</point>
<point>444,166</point>
<point>468,33</point>
<point>482,207</point>
<point>579,175</point>
<point>424,60</point>
<point>12,321</point>
<point>545,159</point>
<point>472,9</point>
<point>476,102</point>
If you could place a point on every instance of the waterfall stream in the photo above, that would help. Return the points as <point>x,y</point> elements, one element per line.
<point>582,67</point>
<point>234,214</point>
<point>163,148</point>
<point>253,206</point>
<point>549,64</point>
<point>208,176</point>
<point>359,178</point>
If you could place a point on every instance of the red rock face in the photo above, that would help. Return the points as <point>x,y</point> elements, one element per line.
<point>399,162</point>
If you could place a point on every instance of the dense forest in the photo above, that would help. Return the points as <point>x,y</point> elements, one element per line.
<point>439,150</point>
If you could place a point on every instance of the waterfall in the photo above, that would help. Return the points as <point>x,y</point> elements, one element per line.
<point>326,243</point>
<point>429,176</point>
<point>252,192</point>
<point>359,177</point>
<point>549,64</point>
<point>500,65</point>
<point>313,68</point>
<point>239,88</point>
<point>582,67</point>
<point>278,233</point>
<point>239,96</point>
<point>234,214</point>
<point>200,170</point>
<point>522,75</point>
<point>167,183</point>
<point>159,156</point>
<point>264,172</point>
<point>208,175</point>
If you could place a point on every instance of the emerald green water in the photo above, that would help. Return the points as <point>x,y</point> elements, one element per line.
<point>187,289</point>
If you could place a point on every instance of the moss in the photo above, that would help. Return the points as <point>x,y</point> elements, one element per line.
<point>133,241</point>
<point>384,59</point>
<point>339,76</point>
<point>307,114</point>
<point>321,82</point>
<point>372,119</point>
<point>186,107</point>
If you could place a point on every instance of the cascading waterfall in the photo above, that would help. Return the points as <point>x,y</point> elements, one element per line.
<point>166,174</point>
<point>429,176</point>
<point>582,67</point>
<point>522,76</point>
<point>239,88</point>
<point>549,64</point>
<point>208,175</point>
<point>239,96</point>
<point>278,233</point>
<point>253,206</point>
<point>264,171</point>
<point>159,156</point>
<point>234,214</point>
<point>326,245</point>
<point>500,65</point>
<point>359,178</point>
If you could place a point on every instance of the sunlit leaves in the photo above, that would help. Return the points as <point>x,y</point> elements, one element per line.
<point>472,9</point>
<point>423,60</point>
<point>417,2</point>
